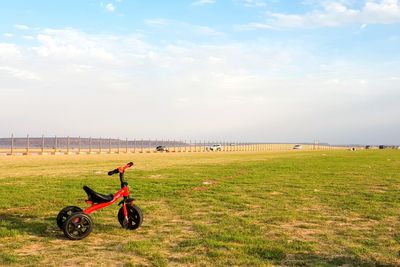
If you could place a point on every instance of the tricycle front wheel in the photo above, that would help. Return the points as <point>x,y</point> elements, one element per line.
<point>135,217</point>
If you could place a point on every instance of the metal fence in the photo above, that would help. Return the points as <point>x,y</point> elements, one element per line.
<point>77,145</point>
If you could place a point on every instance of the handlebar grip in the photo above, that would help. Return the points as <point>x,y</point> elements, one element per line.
<point>113,172</point>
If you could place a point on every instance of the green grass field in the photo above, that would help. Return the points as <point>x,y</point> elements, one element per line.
<point>322,208</point>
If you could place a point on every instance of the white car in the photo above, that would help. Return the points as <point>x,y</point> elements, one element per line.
<point>215,147</point>
<point>297,147</point>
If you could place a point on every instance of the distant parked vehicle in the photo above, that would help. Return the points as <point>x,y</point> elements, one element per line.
<point>367,147</point>
<point>382,147</point>
<point>215,147</point>
<point>298,147</point>
<point>162,149</point>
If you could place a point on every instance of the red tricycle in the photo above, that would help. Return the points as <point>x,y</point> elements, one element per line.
<point>77,224</point>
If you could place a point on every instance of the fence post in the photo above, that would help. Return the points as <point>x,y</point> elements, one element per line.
<point>134,145</point>
<point>119,145</point>
<point>109,145</point>
<point>12,144</point>
<point>126,145</point>
<point>42,144</point>
<point>27,144</point>
<point>79,145</point>
<point>141,144</point>
<point>55,144</point>
<point>67,144</point>
<point>90,145</point>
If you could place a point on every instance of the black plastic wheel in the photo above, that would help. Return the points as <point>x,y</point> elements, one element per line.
<point>77,226</point>
<point>65,213</point>
<point>135,217</point>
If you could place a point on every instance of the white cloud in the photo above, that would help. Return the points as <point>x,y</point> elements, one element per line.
<point>21,27</point>
<point>250,3</point>
<point>336,13</point>
<point>179,27</point>
<point>157,22</point>
<point>203,2</point>
<point>8,50</point>
<point>255,26</point>
<point>204,30</point>
<point>110,7</point>
<point>8,35</point>
<point>19,73</point>
<point>28,37</point>
<point>68,43</point>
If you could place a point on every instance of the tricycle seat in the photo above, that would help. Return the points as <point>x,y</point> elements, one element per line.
<point>97,197</point>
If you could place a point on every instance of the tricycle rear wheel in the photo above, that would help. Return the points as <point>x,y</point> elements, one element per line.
<point>65,213</point>
<point>78,226</point>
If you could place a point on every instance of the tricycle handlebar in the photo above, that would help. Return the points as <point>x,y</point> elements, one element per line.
<point>121,169</point>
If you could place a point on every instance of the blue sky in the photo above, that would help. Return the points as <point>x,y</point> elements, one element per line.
<point>251,70</point>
